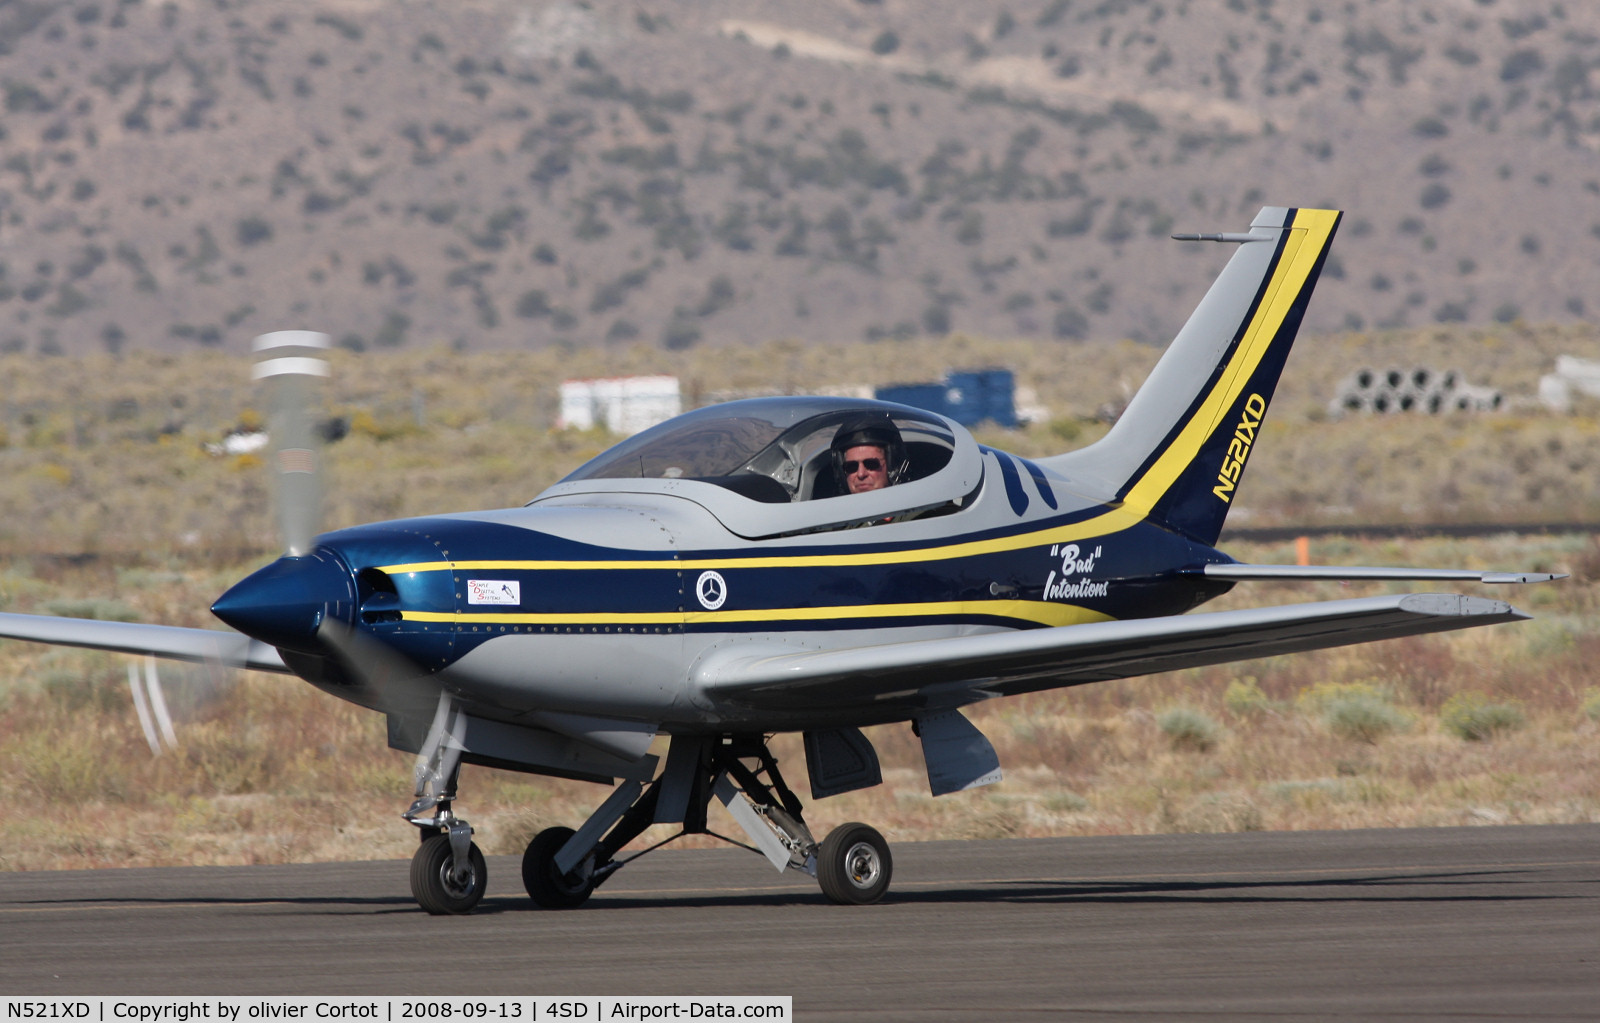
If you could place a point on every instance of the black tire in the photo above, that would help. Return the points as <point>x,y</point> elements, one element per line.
<point>854,865</point>
<point>434,885</point>
<point>545,884</point>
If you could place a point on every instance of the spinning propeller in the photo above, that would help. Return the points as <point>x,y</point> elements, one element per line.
<point>289,359</point>
<point>305,603</point>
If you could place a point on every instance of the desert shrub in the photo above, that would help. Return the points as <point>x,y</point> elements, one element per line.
<point>1430,128</point>
<point>348,29</point>
<point>1245,698</point>
<point>1591,704</point>
<point>1471,716</point>
<point>91,607</point>
<point>69,770</point>
<point>1213,813</point>
<point>1354,710</point>
<point>681,332</point>
<point>82,683</point>
<point>1189,730</point>
<point>1070,323</point>
<point>252,230</point>
<point>364,423</point>
<point>232,763</point>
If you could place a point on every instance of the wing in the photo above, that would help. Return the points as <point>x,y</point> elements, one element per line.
<point>170,641</point>
<point>882,680</point>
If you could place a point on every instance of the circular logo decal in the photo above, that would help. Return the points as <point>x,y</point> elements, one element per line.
<point>712,590</point>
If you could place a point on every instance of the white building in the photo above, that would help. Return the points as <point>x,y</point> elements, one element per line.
<point>623,405</point>
<point>1572,376</point>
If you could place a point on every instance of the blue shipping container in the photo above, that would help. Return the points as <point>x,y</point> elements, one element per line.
<point>967,396</point>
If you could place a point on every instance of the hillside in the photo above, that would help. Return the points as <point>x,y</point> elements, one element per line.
<point>495,174</point>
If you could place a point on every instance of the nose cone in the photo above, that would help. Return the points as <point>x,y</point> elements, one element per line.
<point>285,603</point>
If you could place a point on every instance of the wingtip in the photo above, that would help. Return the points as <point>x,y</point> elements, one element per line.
<point>1456,605</point>
<point>1523,577</point>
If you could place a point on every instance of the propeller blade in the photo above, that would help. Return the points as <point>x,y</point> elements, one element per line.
<point>396,684</point>
<point>142,707</point>
<point>158,702</point>
<point>288,358</point>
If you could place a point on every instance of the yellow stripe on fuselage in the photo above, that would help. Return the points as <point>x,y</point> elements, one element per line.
<point>1113,519</point>
<point>1036,611</point>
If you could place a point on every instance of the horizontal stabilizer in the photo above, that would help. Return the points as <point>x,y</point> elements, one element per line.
<point>1337,573</point>
<point>881,681</point>
<point>203,646</point>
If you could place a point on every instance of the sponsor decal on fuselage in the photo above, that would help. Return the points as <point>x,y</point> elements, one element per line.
<point>1244,436</point>
<point>494,591</point>
<point>1067,584</point>
<point>711,590</point>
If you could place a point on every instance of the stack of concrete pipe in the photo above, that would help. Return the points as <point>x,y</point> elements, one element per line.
<point>1384,392</point>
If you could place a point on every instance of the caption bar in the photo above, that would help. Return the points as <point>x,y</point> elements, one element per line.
<point>521,1009</point>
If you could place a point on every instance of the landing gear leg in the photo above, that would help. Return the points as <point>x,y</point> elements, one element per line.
<point>561,868</point>
<point>448,875</point>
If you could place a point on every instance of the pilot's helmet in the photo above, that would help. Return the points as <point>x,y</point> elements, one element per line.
<point>876,429</point>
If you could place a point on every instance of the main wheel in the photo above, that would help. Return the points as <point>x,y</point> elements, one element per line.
<point>854,865</point>
<point>438,887</point>
<point>546,885</point>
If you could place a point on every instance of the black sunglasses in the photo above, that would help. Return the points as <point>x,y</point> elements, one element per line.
<point>870,464</point>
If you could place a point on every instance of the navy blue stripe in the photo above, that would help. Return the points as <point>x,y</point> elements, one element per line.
<point>1039,481</point>
<point>1013,481</point>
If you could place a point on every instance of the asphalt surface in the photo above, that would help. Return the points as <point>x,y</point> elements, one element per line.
<point>1449,923</point>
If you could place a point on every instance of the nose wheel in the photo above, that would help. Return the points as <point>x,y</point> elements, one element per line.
<point>444,883</point>
<point>854,865</point>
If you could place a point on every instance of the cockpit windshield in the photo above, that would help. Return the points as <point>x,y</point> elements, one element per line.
<point>772,450</point>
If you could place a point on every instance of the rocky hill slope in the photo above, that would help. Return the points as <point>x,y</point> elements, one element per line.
<point>505,173</point>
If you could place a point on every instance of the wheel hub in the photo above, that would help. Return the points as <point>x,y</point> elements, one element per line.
<point>456,878</point>
<point>863,865</point>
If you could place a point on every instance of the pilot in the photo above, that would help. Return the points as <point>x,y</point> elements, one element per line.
<point>868,454</point>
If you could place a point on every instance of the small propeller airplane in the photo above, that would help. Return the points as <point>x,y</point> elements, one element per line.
<point>715,580</point>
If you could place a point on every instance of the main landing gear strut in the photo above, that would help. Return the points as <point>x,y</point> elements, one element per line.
<point>561,867</point>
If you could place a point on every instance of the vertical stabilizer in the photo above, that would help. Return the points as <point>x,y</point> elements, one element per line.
<point>1177,453</point>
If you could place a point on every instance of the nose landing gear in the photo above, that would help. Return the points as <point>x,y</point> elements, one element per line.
<point>448,874</point>
<point>445,882</point>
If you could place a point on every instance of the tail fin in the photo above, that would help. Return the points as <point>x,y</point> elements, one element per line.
<point>1177,452</point>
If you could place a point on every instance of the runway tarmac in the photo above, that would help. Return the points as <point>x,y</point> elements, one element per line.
<point>1448,923</point>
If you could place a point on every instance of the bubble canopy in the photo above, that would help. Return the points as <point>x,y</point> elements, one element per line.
<point>769,452</point>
